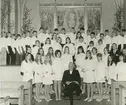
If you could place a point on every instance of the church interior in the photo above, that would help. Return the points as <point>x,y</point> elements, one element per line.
<point>20,19</point>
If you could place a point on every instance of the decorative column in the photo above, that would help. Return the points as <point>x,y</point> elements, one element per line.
<point>22,5</point>
<point>101,22</point>
<point>16,17</point>
<point>12,16</point>
<point>85,17</point>
<point>124,9</point>
<point>0,18</point>
<point>55,15</point>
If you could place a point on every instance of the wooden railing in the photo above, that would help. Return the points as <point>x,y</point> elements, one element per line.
<point>118,92</point>
<point>17,90</point>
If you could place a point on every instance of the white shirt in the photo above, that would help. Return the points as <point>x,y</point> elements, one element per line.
<point>121,71</point>
<point>72,36</point>
<point>28,69</point>
<point>63,37</point>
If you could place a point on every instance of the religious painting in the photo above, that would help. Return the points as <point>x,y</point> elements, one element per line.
<point>46,16</point>
<point>94,18</point>
<point>70,17</point>
<point>60,17</point>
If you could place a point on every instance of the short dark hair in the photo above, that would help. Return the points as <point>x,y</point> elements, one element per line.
<point>56,29</point>
<point>93,33</point>
<point>82,28</point>
<point>56,52</point>
<point>99,55</point>
<point>106,30</point>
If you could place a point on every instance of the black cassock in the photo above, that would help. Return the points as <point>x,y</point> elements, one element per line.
<point>73,86</point>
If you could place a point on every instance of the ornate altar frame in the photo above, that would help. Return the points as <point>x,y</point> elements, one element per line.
<point>56,7</point>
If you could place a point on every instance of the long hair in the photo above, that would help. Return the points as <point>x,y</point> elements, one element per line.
<point>37,60</point>
<point>65,50</point>
<point>46,59</point>
<point>80,47</point>
<point>39,51</point>
<point>26,55</point>
<point>108,62</point>
<point>77,34</point>
<point>50,54</point>
<point>88,51</point>
<point>49,40</point>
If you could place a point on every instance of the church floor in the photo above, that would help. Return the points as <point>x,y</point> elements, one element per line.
<point>76,102</point>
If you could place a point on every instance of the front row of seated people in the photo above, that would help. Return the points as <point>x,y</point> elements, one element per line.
<point>49,73</point>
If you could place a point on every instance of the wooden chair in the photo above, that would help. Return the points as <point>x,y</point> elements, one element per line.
<point>17,90</point>
<point>117,88</point>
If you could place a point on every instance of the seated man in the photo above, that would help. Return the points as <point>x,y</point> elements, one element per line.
<point>71,79</point>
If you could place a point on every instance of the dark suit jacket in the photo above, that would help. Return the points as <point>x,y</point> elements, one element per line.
<point>75,76</point>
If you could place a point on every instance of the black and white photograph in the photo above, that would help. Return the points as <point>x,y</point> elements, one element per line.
<point>62,52</point>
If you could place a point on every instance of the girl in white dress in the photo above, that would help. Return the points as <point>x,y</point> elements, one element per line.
<point>27,69</point>
<point>121,69</point>
<point>47,45</point>
<point>79,61</point>
<point>50,53</point>
<point>57,45</point>
<point>41,52</point>
<point>66,58</point>
<point>94,53</point>
<point>78,35</point>
<point>38,77</point>
<point>105,60</point>
<point>89,75</point>
<point>100,75</point>
<point>36,47</point>
<point>94,57</point>
<point>70,45</point>
<point>48,79</point>
<point>58,70</point>
<point>111,72</point>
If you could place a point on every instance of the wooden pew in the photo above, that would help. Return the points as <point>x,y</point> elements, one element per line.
<point>122,96</point>
<point>17,90</point>
<point>116,89</point>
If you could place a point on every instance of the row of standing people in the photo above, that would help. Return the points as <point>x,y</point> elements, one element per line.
<point>93,67</point>
<point>12,51</point>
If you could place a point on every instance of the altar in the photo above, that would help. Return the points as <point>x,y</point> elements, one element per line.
<point>50,14</point>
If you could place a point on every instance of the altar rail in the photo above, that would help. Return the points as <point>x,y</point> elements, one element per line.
<point>118,92</point>
<point>21,91</point>
<point>11,85</point>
